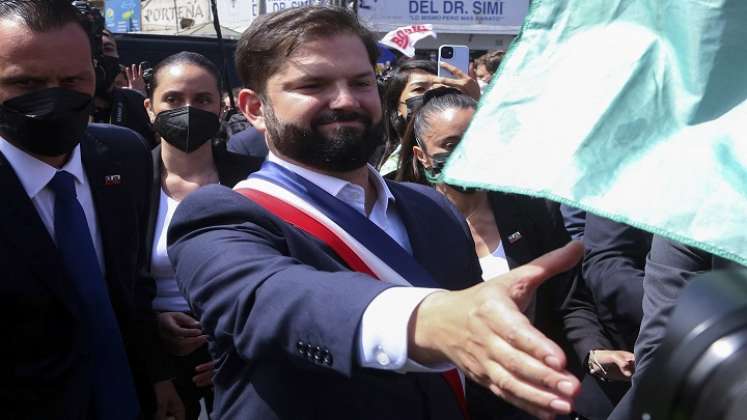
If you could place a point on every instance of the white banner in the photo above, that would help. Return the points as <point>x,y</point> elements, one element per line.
<point>404,38</point>
<point>275,5</point>
<point>448,16</point>
<point>168,15</point>
<point>237,14</point>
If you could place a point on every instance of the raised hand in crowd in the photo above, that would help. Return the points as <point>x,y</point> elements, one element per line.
<point>463,82</point>
<point>135,78</point>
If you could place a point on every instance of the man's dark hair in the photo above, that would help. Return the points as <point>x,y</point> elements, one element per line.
<point>274,37</point>
<point>184,57</point>
<point>41,16</point>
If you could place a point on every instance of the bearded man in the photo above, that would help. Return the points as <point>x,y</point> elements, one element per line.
<point>328,292</point>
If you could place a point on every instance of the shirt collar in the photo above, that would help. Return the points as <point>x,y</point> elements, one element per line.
<point>334,185</point>
<point>35,174</point>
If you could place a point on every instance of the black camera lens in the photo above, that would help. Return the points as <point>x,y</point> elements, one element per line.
<point>699,370</point>
<point>447,52</point>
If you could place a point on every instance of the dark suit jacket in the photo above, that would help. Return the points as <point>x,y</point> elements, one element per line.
<point>605,306</point>
<point>44,376</point>
<point>232,168</point>
<point>613,271</point>
<point>282,310</point>
<point>540,225</point>
<point>574,220</point>
<point>669,268</point>
<point>249,142</point>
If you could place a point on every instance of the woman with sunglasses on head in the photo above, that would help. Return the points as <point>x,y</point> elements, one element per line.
<point>184,105</point>
<point>509,230</point>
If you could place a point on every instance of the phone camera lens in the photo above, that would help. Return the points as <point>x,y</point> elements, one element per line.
<point>447,52</point>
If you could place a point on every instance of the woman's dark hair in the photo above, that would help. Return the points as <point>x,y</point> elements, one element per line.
<point>435,101</point>
<point>272,38</point>
<point>394,128</point>
<point>184,57</point>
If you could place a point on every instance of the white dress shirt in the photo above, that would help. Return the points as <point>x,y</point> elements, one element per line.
<point>382,341</point>
<point>35,175</point>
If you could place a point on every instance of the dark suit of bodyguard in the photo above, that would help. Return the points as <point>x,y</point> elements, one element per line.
<point>49,355</point>
<point>79,335</point>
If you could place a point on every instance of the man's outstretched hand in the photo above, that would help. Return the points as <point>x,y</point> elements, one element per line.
<point>483,331</point>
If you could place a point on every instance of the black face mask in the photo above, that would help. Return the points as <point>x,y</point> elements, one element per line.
<point>400,122</point>
<point>107,69</point>
<point>47,122</point>
<point>433,174</point>
<point>186,128</point>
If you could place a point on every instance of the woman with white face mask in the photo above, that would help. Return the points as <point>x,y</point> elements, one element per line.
<point>184,104</point>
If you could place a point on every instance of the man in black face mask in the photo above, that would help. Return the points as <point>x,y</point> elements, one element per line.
<point>79,330</point>
<point>305,290</point>
<point>113,105</point>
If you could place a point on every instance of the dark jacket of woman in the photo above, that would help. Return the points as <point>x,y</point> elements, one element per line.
<point>529,227</point>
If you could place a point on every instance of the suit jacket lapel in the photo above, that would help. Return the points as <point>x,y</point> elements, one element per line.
<point>21,222</point>
<point>419,221</point>
<point>515,232</point>
<point>417,231</point>
<point>155,202</point>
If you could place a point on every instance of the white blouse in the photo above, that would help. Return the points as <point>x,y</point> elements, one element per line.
<point>494,264</point>
<point>168,297</point>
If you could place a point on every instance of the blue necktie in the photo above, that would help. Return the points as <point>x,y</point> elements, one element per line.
<point>113,391</point>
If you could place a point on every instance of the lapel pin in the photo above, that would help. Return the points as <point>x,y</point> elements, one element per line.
<point>110,180</point>
<point>514,237</point>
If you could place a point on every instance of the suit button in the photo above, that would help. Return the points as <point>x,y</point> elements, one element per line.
<point>301,347</point>
<point>327,360</point>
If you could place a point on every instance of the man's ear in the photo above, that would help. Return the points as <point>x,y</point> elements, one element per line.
<point>251,106</point>
<point>149,109</point>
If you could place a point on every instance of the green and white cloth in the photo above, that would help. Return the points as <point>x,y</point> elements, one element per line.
<point>632,109</point>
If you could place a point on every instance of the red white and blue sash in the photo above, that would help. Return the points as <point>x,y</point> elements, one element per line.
<point>362,245</point>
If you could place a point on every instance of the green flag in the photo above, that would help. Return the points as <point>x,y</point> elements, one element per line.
<point>632,109</point>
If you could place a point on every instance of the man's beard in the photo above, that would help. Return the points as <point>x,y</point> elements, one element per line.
<point>345,149</point>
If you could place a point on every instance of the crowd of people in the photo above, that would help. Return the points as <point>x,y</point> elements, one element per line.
<point>300,256</point>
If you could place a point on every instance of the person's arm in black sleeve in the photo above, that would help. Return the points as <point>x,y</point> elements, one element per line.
<point>613,269</point>
<point>669,268</point>
<point>581,322</point>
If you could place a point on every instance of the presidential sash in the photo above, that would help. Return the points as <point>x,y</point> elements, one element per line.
<point>362,245</point>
